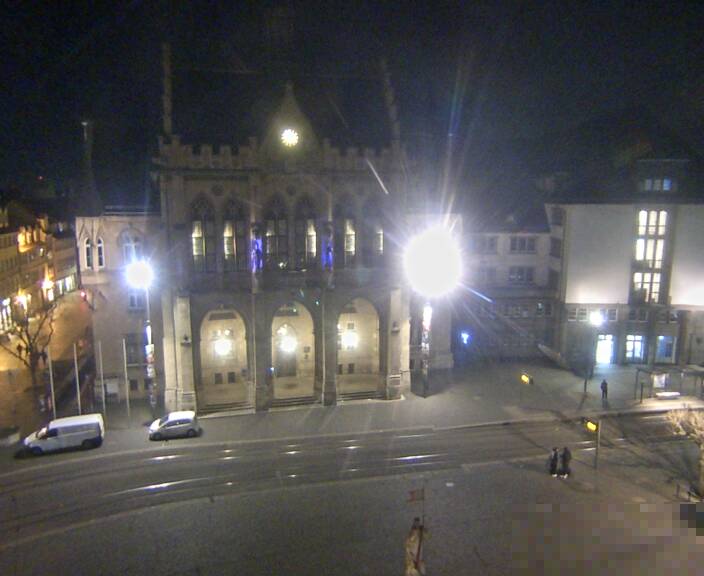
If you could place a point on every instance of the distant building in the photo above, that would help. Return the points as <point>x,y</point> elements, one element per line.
<point>632,283</point>
<point>510,307</point>
<point>37,260</point>
<point>107,243</point>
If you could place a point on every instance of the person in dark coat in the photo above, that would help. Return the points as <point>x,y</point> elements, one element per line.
<point>565,459</point>
<point>553,462</point>
<point>604,389</point>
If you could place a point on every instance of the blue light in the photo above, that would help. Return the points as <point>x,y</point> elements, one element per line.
<point>465,337</point>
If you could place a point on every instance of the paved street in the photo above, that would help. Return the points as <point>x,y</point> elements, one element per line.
<point>338,505</point>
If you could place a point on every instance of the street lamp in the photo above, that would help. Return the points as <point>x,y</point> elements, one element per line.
<point>433,266</point>
<point>596,319</point>
<point>140,276</point>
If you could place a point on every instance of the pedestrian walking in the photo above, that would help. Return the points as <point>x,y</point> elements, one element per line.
<point>20,349</point>
<point>553,461</point>
<point>565,459</point>
<point>604,389</point>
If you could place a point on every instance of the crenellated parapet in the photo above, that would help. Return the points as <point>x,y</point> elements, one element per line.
<point>175,154</point>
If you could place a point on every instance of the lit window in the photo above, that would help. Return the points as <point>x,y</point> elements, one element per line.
<point>582,314</point>
<point>350,240</point>
<point>379,241</point>
<point>101,253</point>
<point>666,184</point>
<point>228,240</point>
<point>88,245</point>
<point>634,348</point>
<point>197,244</point>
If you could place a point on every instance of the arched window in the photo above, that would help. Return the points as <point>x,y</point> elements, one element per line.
<point>276,235</point>
<point>101,253</point>
<point>305,235</point>
<point>345,232</point>
<point>372,238</point>
<point>202,236</point>
<point>131,247</point>
<point>88,249</point>
<point>234,237</point>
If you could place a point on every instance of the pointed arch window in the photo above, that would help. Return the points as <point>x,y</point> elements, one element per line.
<point>372,239</point>
<point>202,236</point>
<point>88,251</point>
<point>101,253</point>
<point>276,235</point>
<point>234,237</point>
<point>345,232</point>
<point>306,237</point>
<point>131,247</point>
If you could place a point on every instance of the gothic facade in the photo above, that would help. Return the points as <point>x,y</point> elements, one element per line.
<point>281,281</point>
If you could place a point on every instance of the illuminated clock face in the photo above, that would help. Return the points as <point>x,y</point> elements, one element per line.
<point>289,137</point>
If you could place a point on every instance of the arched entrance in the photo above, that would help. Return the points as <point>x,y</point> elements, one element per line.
<point>293,352</point>
<point>358,349</point>
<point>224,377</point>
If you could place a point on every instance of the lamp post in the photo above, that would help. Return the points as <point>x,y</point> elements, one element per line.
<point>433,267</point>
<point>140,276</point>
<point>595,321</point>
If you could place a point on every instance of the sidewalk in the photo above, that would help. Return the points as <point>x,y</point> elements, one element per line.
<point>463,398</point>
<point>467,397</point>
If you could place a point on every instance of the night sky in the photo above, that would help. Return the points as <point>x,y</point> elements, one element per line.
<point>477,71</point>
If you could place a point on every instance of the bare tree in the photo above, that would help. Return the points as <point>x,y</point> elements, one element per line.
<point>690,423</point>
<point>32,337</point>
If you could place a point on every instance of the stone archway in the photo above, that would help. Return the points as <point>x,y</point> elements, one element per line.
<point>293,352</point>
<point>358,348</point>
<point>224,374</point>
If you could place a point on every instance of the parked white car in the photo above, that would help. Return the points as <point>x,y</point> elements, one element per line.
<point>174,425</point>
<point>85,431</point>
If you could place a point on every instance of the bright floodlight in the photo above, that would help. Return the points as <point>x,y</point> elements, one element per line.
<point>223,347</point>
<point>432,262</point>
<point>140,275</point>
<point>596,319</point>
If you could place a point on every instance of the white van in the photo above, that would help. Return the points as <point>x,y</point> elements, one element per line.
<point>85,431</point>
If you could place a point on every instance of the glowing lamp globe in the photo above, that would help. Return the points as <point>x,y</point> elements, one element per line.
<point>289,137</point>
<point>432,262</point>
<point>140,275</point>
<point>596,319</point>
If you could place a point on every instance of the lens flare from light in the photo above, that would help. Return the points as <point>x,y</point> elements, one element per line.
<point>596,318</point>
<point>350,339</point>
<point>140,275</point>
<point>433,263</point>
<point>223,347</point>
<point>288,344</point>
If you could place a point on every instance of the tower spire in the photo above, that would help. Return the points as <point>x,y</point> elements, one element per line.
<point>167,96</point>
<point>90,202</point>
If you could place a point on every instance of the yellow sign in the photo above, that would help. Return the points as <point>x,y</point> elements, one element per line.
<point>592,426</point>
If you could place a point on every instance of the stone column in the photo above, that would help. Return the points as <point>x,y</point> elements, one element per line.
<point>396,320</point>
<point>329,324</point>
<point>170,344</point>
<point>262,349</point>
<point>186,395</point>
